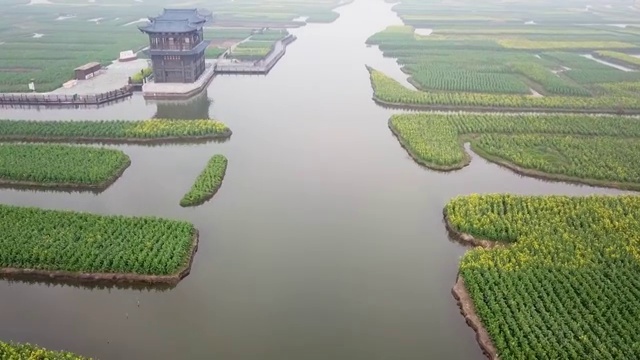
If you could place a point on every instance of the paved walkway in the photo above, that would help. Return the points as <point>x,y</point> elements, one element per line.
<point>113,77</point>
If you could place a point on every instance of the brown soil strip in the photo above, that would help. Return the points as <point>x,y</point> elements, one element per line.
<point>460,293</point>
<point>107,140</point>
<point>95,188</point>
<point>107,278</point>
<point>467,239</point>
<point>552,177</point>
<point>431,166</point>
<point>467,309</point>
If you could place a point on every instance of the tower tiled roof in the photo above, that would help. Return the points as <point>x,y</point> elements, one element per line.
<point>176,20</point>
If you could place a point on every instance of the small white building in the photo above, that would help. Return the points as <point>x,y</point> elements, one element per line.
<point>127,56</point>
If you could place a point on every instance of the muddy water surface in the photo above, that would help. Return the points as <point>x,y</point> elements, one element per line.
<point>325,241</point>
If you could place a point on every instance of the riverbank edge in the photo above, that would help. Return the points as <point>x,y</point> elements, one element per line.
<point>420,161</point>
<point>551,176</point>
<point>462,296</point>
<point>107,140</point>
<point>110,278</point>
<point>213,191</point>
<point>95,188</point>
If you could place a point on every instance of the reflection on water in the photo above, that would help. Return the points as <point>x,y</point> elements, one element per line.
<point>324,242</point>
<point>194,108</point>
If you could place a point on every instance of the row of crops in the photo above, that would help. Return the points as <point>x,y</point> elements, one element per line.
<point>550,82</point>
<point>568,287</point>
<point>568,146</point>
<point>388,90</point>
<point>207,183</point>
<point>60,165</point>
<point>450,77</point>
<point>53,240</point>
<point>15,351</point>
<point>252,50</point>
<point>465,62</point>
<point>112,130</point>
<point>604,160</point>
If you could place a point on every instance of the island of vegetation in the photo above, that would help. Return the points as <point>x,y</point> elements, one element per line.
<point>83,247</point>
<point>560,279</point>
<point>390,92</point>
<point>114,131</point>
<point>598,150</point>
<point>15,351</point>
<point>207,183</point>
<point>508,68</point>
<point>52,166</point>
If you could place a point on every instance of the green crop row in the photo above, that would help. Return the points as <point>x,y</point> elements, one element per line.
<point>207,183</point>
<point>57,165</point>
<point>604,160</point>
<point>249,53</point>
<point>270,35</point>
<point>568,286</point>
<point>15,351</point>
<point>388,90</point>
<point>435,141</point>
<point>552,83</point>
<point>115,130</point>
<point>55,240</point>
<point>442,76</point>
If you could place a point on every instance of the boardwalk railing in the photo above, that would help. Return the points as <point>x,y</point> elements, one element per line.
<point>262,66</point>
<point>65,100</point>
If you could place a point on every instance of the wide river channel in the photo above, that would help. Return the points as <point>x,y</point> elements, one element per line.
<point>325,241</point>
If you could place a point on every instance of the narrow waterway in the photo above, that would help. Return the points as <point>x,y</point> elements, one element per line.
<point>325,241</point>
<point>610,64</point>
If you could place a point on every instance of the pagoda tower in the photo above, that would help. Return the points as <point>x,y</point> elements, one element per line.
<point>177,45</point>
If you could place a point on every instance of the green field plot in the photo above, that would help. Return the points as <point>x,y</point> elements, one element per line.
<point>550,143</point>
<point>270,35</point>
<point>114,130</point>
<point>468,68</point>
<point>567,286</point>
<point>60,165</point>
<point>527,44</point>
<point>610,75</point>
<point>597,160</point>
<point>80,242</point>
<point>441,76</point>
<point>389,91</point>
<point>551,82</point>
<point>214,52</point>
<point>207,183</point>
<point>15,351</point>
<point>251,50</point>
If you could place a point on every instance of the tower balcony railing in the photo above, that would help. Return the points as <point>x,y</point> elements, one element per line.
<point>172,47</point>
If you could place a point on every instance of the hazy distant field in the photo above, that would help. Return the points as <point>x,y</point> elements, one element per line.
<point>45,40</point>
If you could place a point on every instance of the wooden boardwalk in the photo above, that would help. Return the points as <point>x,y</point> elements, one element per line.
<point>29,99</point>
